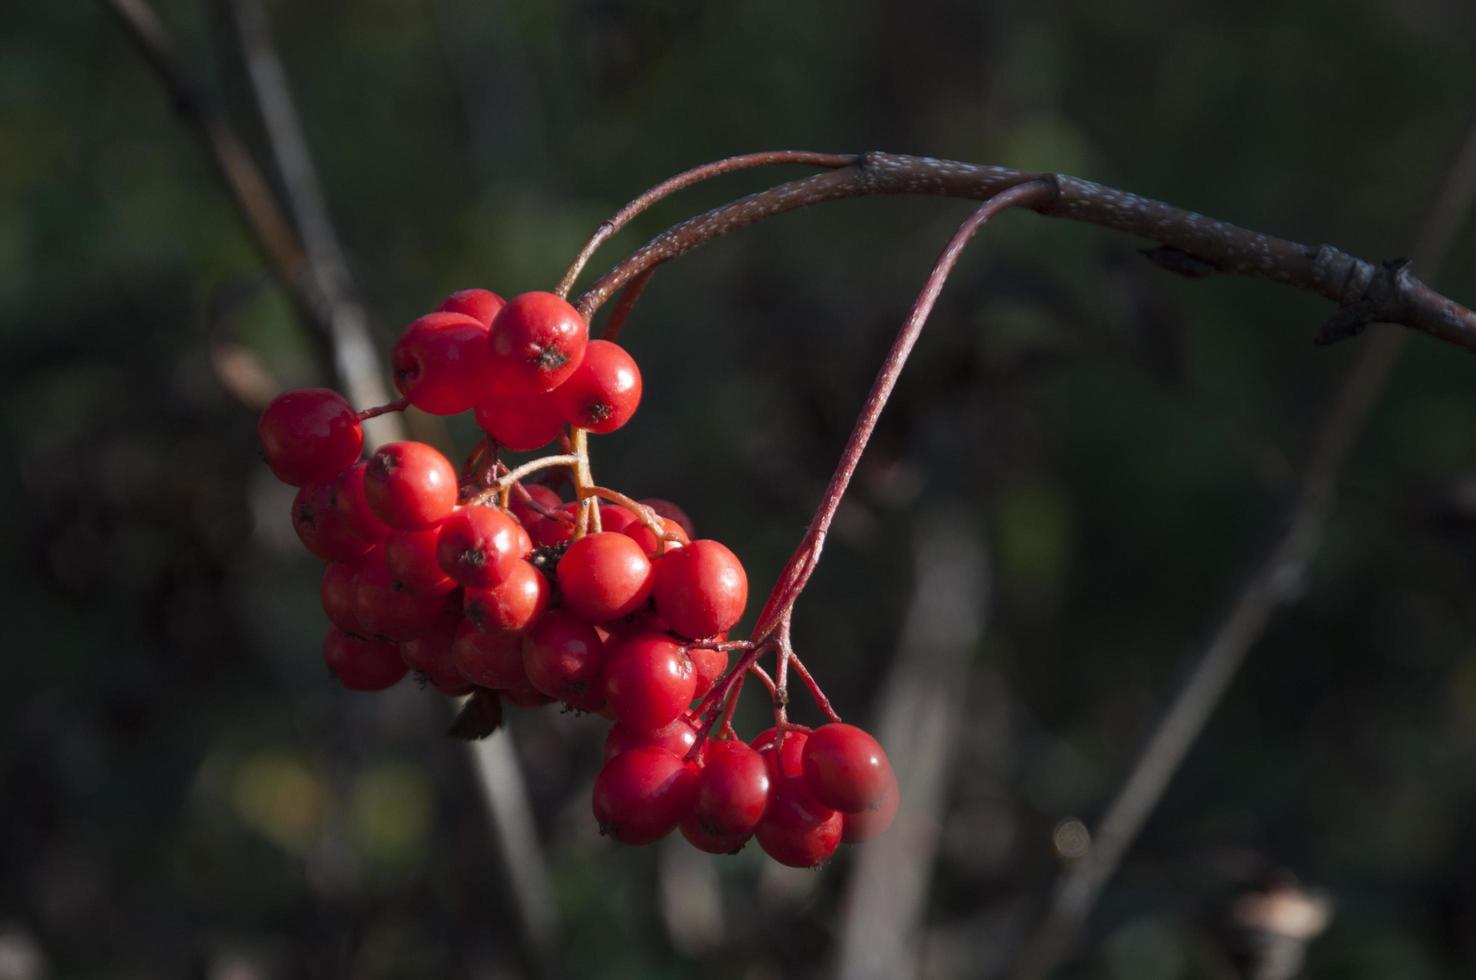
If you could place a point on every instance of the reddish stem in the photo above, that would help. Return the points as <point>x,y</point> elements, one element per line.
<point>686,179</point>
<point>802,563</point>
<point>378,410</point>
<point>628,298</point>
<point>821,701</point>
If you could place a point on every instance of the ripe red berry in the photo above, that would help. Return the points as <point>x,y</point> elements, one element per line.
<point>352,503</point>
<point>604,576</point>
<point>479,304</point>
<point>520,422</point>
<point>525,695</point>
<point>650,543</point>
<point>537,341</point>
<point>360,664</point>
<point>440,363</point>
<point>616,519</point>
<point>385,610</point>
<point>701,589</point>
<point>410,485</point>
<point>790,760</point>
<point>431,654</point>
<point>649,680</point>
<point>863,826</point>
<point>309,434</point>
<point>712,843</point>
<point>709,665</point>
<point>565,659</point>
<point>513,605</point>
<point>479,546</point>
<point>676,738</point>
<point>320,526</point>
<point>493,660</point>
<point>603,393</point>
<point>668,509</point>
<point>732,791</point>
<point>411,559</point>
<point>526,513</point>
<point>337,593</point>
<point>797,829</point>
<point>845,768</point>
<point>641,795</point>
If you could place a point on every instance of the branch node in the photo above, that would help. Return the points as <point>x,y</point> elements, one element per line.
<point>1371,294</point>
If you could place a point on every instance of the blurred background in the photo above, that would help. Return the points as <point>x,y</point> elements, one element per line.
<point>1086,460</point>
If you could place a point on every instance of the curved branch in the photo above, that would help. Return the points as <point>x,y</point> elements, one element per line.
<point>1190,244</point>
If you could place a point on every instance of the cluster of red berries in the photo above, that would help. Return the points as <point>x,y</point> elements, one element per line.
<point>489,586</point>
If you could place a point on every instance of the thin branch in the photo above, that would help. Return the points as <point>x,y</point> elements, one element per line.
<point>1190,243</point>
<point>1277,582</point>
<point>802,563</point>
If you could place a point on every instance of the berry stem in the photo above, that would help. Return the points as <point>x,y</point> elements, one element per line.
<point>511,477</point>
<point>796,573</point>
<point>684,180</point>
<point>647,516</point>
<point>378,410</point>
<point>628,298</point>
<point>589,514</point>
<point>714,702</point>
<point>821,701</point>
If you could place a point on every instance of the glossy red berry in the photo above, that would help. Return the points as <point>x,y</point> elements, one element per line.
<point>520,422</point>
<point>538,340</point>
<point>649,680</point>
<point>352,503</point>
<point>732,791</point>
<point>790,759</point>
<point>565,658</point>
<point>440,363</point>
<point>411,557</point>
<point>512,605</point>
<point>677,738</point>
<point>525,695</point>
<point>863,826</point>
<point>797,829</point>
<point>527,513</point>
<point>385,610</point>
<point>700,589</point>
<point>668,509</point>
<point>615,519</point>
<point>493,660</point>
<point>479,546</point>
<point>845,768</point>
<point>603,393</point>
<point>320,526</point>
<point>604,576</point>
<point>672,536</point>
<point>701,839</point>
<point>479,304</point>
<point>431,654</point>
<point>309,434</point>
<point>337,593</point>
<point>640,796</point>
<point>709,665</point>
<point>361,664</point>
<point>410,485</point>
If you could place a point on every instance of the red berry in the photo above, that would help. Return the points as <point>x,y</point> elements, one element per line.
<point>668,509</point>
<point>337,593</point>
<point>650,543</point>
<point>604,392</point>
<point>537,341</point>
<point>790,758</point>
<point>320,526</point>
<point>520,422</point>
<point>431,655</point>
<point>732,791</point>
<point>649,680</point>
<point>676,738</point>
<point>440,363</point>
<point>565,659</point>
<point>525,695</point>
<point>385,610</point>
<point>845,768</point>
<point>604,576</point>
<point>710,665</point>
<point>412,562</point>
<point>352,503</point>
<point>701,589</point>
<point>479,304</point>
<point>514,604</point>
<point>360,664</point>
<point>615,519</point>
<point>493,660</point>
<point>863,826</point>
<point>479,546</point>
<point>711,843</point>
<point>410,485</point>
<point>308,434</point>
<point>525,512</point>
<point>797,829</point>
<point>641,795</point>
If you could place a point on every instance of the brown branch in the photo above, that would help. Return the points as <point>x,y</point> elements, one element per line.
<point>1276,583</point>
<point>1190,243</point>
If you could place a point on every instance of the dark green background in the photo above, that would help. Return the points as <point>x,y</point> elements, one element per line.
<point>184,791</point>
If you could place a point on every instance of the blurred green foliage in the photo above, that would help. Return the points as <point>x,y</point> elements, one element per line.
<point>186,794</point>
